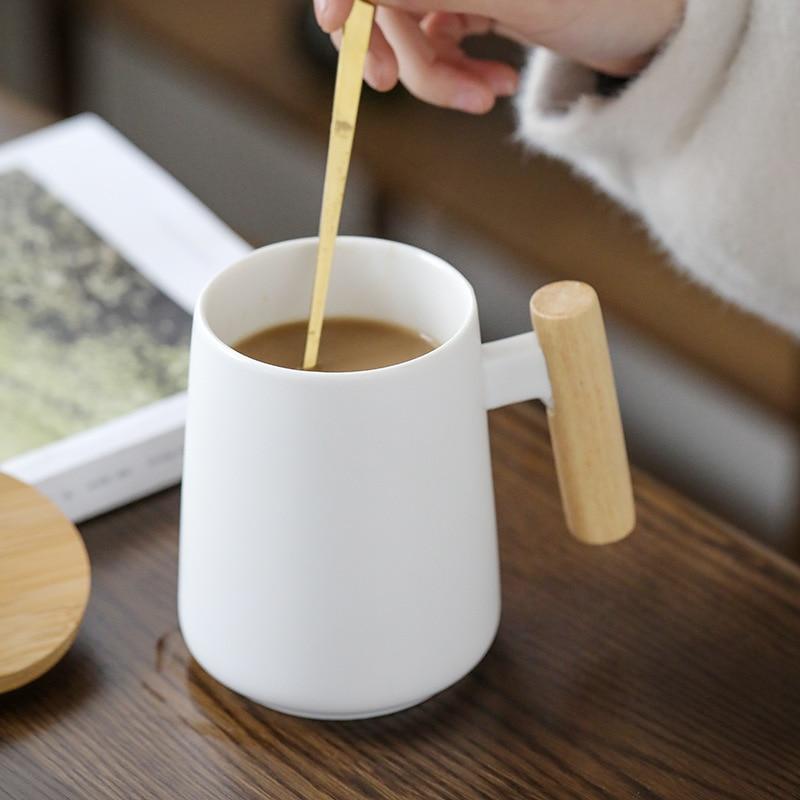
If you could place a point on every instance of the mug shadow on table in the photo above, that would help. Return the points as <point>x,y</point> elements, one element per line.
<point>451,709</point>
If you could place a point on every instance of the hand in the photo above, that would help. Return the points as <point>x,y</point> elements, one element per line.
<point>418,42</point>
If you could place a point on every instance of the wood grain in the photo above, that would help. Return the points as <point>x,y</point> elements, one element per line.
<point>44,584</point>
<point>663,667</point>
<point>471,169</point>
<point>585,425</point>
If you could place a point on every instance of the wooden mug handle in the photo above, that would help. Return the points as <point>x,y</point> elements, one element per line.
<point>585,425</point>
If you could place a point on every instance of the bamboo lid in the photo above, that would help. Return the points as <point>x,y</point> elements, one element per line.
<point>44,583</point>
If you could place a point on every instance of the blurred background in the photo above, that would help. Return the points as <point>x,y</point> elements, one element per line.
<point>234,97</point>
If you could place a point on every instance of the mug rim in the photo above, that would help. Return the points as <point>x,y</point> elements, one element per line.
<point>437,262</point>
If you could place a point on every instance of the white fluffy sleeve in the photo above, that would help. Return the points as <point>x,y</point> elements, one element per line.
<point>704,145</point>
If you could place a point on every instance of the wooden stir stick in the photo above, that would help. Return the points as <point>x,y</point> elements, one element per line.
<point>349,78</point>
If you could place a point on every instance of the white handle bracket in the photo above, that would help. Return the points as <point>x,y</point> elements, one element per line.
<point>514,370</point>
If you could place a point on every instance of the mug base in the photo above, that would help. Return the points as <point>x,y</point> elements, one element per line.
<point>335,717</point>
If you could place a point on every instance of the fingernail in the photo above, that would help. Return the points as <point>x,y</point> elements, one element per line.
<point>322,8</point>
<point>505,86</point>
<point>374,72</point>
<point>473,101</point>
<point>383,79</point>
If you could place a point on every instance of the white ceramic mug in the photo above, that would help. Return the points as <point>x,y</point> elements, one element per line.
<point>338,554</point>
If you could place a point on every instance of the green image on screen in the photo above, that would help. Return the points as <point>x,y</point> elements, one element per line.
<point>84,337</point>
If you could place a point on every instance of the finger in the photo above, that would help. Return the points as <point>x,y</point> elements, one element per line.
<point>449,30</point>
<point>456,26</point>
<point>332,14</point>
<point>427,76</point>
<point>381,70</point>
<point>501,78</point>
<point>508,32</point>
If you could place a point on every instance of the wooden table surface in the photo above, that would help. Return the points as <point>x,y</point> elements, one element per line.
<point>664,667</point>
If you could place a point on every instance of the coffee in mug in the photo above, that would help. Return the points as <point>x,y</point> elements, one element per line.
<point>348,344</point>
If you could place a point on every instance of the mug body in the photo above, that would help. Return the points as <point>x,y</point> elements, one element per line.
<point>338,554</point>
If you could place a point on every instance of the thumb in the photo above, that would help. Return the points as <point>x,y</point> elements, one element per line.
<point>506,10</point>
<point>332,14</point>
